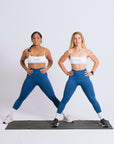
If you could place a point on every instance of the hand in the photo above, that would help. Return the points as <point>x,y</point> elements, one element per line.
<point>70,73</point>
<point>88,73</point>
<point>44,70</point>
<point>29,71</point>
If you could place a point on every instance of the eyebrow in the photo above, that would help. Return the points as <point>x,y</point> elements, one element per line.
<point>36,37</point>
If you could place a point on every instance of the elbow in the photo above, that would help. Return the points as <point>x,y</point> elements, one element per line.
<point>59,62</point>
<point>50,62</point>
<point>21,62</point>
<point>97,62</point>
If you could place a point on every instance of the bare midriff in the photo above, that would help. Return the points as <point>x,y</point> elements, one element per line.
<point>36,65</point>
<point>78,66</point>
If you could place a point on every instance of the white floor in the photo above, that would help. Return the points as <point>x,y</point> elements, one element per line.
<point>52,136</point>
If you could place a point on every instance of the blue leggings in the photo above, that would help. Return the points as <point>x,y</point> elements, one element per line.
<point>40,79</point>
<point>79,78</point>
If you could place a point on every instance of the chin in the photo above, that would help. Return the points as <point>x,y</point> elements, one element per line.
<point>36,44</point>
<point>78,44</point>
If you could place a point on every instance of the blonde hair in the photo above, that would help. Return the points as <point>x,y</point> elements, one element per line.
<point>72,38</point>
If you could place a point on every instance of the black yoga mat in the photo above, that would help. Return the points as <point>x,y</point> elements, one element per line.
<point>77,124</point>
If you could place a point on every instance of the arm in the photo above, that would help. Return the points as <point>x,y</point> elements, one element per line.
<point>22,61</point>
<point>95,60</point>
<point>62,60</point>
<point>50,61</point>
<point>48,56</point>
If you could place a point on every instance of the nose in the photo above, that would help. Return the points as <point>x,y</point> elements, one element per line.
<point>35,40</point>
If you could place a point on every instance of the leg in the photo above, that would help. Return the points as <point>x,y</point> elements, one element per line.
<point>68,92</point>
<point>27,87</point>
<point>46,87</point>
<point>89,91</point>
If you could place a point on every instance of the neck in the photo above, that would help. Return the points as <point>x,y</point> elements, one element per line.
<point>37,46</point>
<point>78,47</point>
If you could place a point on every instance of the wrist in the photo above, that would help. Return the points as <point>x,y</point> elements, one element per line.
<point>92,72</point>
<point>47,68</point>
<point>26,69</point>
<point>66,72</point>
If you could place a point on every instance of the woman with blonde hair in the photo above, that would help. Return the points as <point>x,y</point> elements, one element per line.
<point>78,55</point>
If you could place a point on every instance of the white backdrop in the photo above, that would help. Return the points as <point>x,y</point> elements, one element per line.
<point>56,20</point>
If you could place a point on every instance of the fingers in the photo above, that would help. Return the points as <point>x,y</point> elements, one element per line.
<point>70,73</point>
<point>87,73</point>
<point>30,72</point>
<point>43,70</point>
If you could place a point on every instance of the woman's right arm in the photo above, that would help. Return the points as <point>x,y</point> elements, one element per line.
<point>62,60</point>
<point>22,61</point>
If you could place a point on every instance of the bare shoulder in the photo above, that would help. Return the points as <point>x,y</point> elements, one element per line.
<point>88,52</point>
<point>26,52</point>
<point>47,51</point>
<point>69,52</point>
<point>85,50</point>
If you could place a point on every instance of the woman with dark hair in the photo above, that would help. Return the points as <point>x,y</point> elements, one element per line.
<point>78,54</point>
<point>36,73</point>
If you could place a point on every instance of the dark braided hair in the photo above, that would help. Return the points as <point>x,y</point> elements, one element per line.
<point>32,37</point>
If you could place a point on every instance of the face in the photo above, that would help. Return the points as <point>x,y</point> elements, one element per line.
<point>36,39</point>
<point>77,40</point>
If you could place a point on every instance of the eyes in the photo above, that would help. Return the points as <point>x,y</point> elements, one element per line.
<point>78,38</point>
<point>35,38</point>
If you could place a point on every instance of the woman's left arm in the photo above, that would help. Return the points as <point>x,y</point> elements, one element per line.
<point>95,60</point>
<point>50,61</point>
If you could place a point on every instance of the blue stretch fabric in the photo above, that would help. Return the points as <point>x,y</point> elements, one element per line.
<point>79,78</point>
<point>40,79</point>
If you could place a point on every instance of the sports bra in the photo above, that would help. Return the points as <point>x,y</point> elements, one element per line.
<point>78,60</point>
<point>37,59</point>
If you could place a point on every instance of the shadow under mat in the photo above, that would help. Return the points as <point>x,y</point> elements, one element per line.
<point>77,124</point>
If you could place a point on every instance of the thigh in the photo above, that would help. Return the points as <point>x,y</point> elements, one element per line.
<point>70,87</point>
<point>88,89</point>
<point>46,86</point>
<point>27,86</point>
